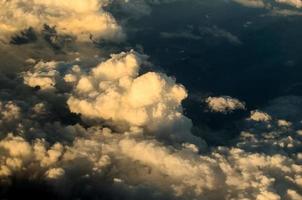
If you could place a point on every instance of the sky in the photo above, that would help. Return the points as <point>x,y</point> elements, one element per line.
<point>153,99</point>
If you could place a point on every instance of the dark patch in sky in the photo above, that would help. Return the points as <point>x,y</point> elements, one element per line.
<point>24,37</point>
<point>265,65</point>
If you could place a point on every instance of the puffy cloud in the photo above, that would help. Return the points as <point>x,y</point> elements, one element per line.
<point>186,172</point>
<point>293,195</point>
<point>260,116</point>
<point>55,173</point>
<point>263,163</point>
<point>10,115</point>
<point>9,111</point>
<point>114,92</point>
<point>132,159</point>
<point>15,152</point>
<point>43,75</point>
<point>79,18</point>
<point>273,133</point>
<point>224,104</point>
<point>128,160</point>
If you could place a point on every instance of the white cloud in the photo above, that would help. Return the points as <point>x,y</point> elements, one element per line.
<point>74,17</point>
<point>253,168</point>
<point>113,91</point>
<point>296,3</point>
<point>235,172</point>
<point>54,173</point>
<point>43,75</point>
<point>148,148</point>
<point>224,104</point>
<point>260,116</point>
<point>10,115</point>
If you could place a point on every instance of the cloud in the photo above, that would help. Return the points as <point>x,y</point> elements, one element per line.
<point>10,114</point>
<point>260,116</point>
<point>224,104</point>
<point>129,138</point>
<point>43,75</point>
<point>254,167</point>
<point>251,3</point>
<point>296,3</point>
<point>185,173</point>
<point>130,157</point>
<point>274,7</point>
<point>115,92</point>
<point>79,18</point>
<point>284,12</point>
<point>53,30</point>
<point>265,3</point>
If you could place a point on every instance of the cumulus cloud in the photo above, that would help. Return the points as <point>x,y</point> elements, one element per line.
<point>42,75</point>
<point>260,116</point>
<point>115,92</point>
<point>224,104</point>
<point>129,138</point>
<point>263,163</point>
<point>79,18</point>
<point>135,153</point>
<point>10,114</point>
<point>185,173</point>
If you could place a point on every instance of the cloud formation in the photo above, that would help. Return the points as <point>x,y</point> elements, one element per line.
<point>263,163</point>
<point>224,104</point>
<point>79,18</point>
<point>267,4</point>
<point>111,130</point>
<point>115,92</point>
<point>260,116</point>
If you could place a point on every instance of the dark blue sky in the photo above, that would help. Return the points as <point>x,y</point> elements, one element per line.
<point>219,48</point>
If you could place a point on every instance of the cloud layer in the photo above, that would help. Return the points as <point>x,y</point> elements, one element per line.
<point>151,155</point>
<point>117,130</point>
<point>79,18</point>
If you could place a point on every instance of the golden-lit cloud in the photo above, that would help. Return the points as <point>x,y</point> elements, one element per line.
<point>91,125</point>
<point>79,18</point>
<point>224,104</point>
